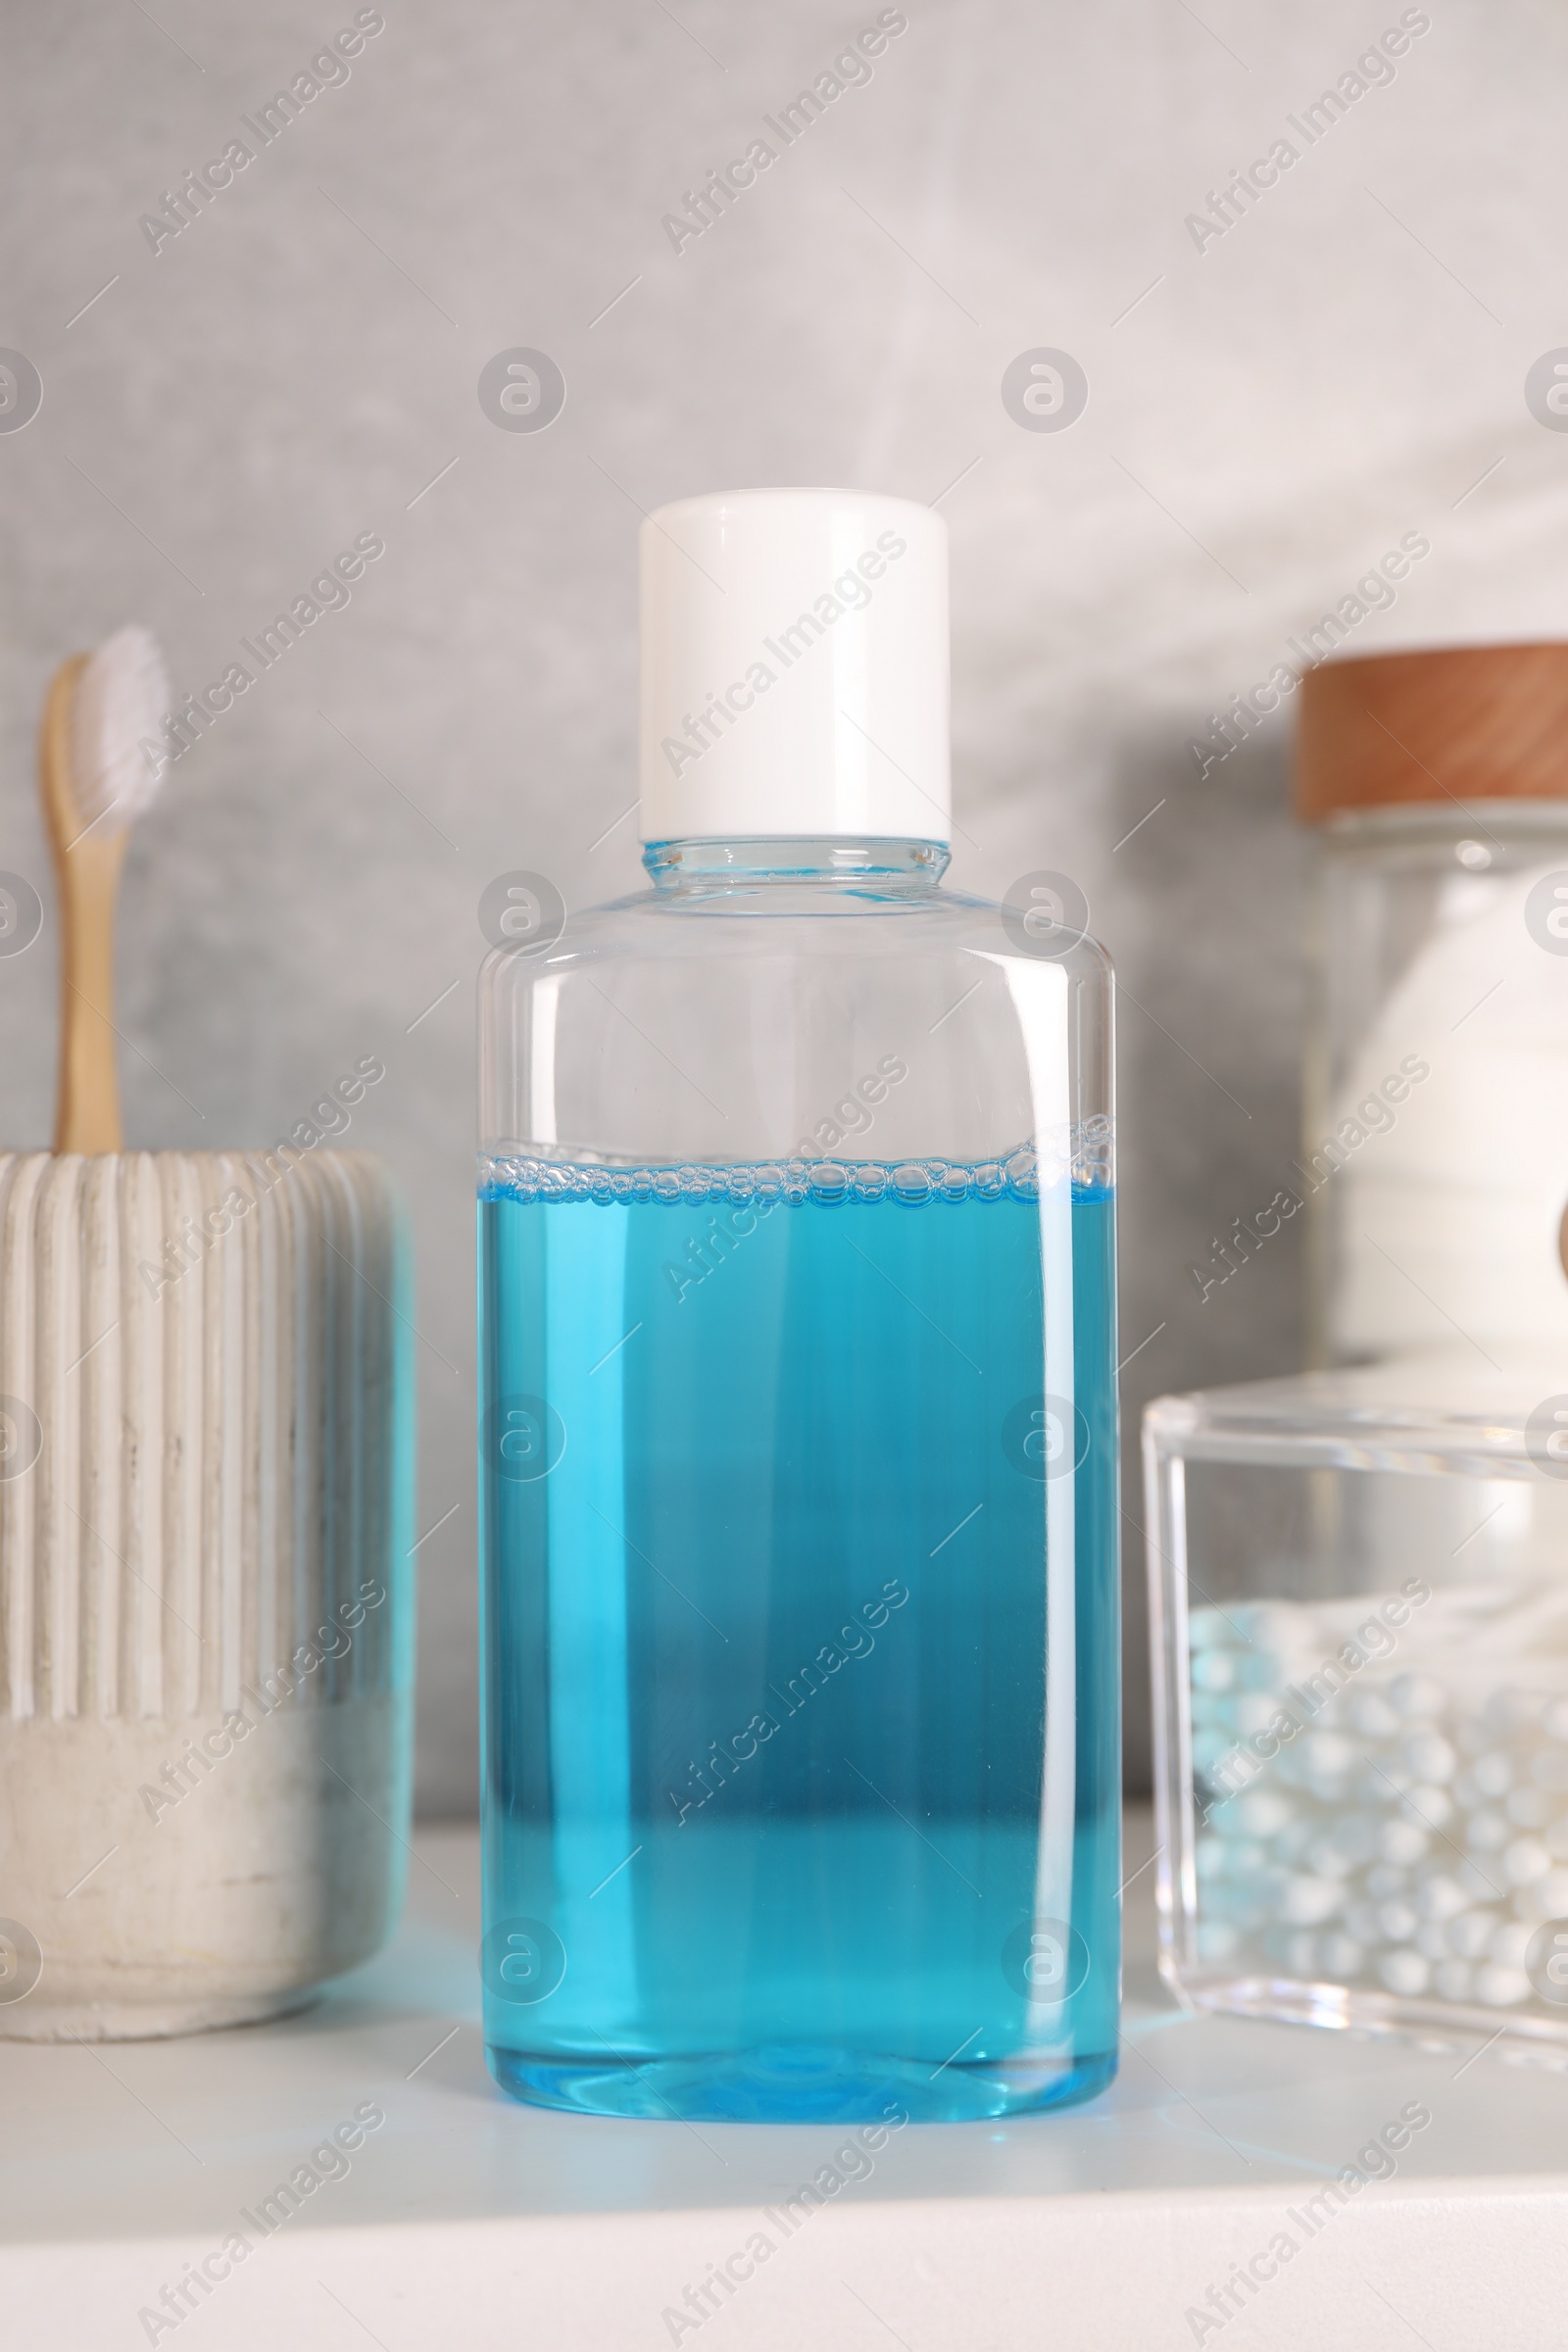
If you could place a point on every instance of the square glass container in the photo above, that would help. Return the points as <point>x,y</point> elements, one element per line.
<point>1359,1599</point>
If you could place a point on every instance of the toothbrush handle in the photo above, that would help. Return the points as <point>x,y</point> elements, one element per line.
<point>87,881</point>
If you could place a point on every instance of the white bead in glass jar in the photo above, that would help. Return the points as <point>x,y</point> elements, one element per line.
<point>1361,1697</point>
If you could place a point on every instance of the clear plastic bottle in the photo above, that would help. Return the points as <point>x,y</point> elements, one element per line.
<point>798,1444</point>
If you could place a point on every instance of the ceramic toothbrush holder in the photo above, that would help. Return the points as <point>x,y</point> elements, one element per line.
<point>206,1491</point>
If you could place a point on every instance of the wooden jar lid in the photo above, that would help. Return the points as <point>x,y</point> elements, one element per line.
<point>1457,723</point>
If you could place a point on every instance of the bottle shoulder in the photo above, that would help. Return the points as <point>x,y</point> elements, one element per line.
<point>726,928</point>
<point>669,1027</point>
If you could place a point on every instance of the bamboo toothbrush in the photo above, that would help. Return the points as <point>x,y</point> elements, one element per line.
<point>95,779</point>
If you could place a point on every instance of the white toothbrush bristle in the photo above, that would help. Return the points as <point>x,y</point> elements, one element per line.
<point>120,700</point>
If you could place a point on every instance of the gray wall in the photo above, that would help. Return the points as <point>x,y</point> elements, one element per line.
<point>1277,408</point>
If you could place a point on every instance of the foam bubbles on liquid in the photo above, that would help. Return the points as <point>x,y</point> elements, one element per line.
<point>1083,1156</point>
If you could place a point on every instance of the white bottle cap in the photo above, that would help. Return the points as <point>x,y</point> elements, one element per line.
<point>794,666</point>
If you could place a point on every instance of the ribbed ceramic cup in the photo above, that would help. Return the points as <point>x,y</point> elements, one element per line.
<point>206,1486</point>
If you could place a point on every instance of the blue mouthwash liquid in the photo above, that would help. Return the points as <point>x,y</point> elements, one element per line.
<point>767,1524</point>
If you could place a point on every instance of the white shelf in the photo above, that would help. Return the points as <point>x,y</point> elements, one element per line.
<point>475,2224</point>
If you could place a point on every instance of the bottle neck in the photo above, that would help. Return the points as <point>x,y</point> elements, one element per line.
<point>862,863</point>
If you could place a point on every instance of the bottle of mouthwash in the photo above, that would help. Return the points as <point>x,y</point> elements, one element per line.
<point>799,1420</point>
